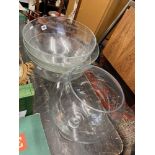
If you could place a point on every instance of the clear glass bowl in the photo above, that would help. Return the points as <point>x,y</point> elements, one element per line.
<point>83,98</point>
<point>58,69</point>
<point>59,41</point>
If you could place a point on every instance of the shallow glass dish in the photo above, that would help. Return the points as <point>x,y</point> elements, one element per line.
<point>83,98</point>
<point>58,40</point>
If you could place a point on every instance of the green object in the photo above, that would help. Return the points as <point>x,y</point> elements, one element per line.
<point>22,18</point>
<point>26,94</point>
<point>35,142</point>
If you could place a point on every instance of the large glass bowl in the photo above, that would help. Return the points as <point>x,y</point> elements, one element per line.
<point>58,41</point>
<point>83,98</point>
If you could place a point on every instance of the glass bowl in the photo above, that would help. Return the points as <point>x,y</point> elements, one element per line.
<point>59,41</point>
<point>56,67</point>
<point>83,98</point>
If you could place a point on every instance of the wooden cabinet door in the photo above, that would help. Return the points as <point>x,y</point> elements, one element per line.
<point>120,49</point>
<point>92,11</point>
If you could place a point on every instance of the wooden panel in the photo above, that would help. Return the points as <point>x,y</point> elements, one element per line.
<point>97,14</point>
<point>112,13</point>
<point>91,12</point>
<point>120,49</point>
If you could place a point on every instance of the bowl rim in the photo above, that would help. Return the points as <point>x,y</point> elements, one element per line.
<point>56,55</point>
<point>111,77</point>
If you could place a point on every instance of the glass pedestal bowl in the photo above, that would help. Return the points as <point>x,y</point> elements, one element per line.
<point>82,99</point>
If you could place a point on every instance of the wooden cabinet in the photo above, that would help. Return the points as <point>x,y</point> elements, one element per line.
<point>98,15</point>
<point>120,49</point>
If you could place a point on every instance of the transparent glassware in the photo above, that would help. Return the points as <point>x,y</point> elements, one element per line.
<point>53,76</point>
<point>110,144</point>
<point>82,99</point>
<point>58,41</point>
<point>53,72</point>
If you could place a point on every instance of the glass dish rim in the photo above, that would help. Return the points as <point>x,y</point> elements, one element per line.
<point>107,73</point>
<point>74,21</point>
